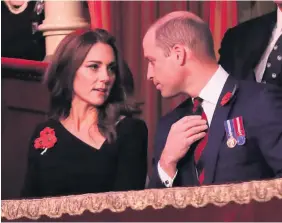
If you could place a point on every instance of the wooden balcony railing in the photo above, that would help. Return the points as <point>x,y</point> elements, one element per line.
<point>248,201</point>
<point>22,69</point>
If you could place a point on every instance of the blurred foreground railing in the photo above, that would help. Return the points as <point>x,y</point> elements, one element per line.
<point>248,201</point>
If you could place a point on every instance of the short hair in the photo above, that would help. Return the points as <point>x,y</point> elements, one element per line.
<point>190,32</point>
<point>61,72</point>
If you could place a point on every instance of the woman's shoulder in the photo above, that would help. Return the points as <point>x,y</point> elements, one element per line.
<point>131,124</point>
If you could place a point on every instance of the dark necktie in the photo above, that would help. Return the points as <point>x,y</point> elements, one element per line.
<point>198,110</point>
<point>274,64</point>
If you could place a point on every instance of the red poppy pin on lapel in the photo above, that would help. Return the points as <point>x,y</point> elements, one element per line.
<point>46,140</point>
<point>226,98</point>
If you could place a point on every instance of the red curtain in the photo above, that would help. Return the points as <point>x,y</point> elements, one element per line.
<point>128,22</point>
<point>100,14</point>
<point>222,15</point>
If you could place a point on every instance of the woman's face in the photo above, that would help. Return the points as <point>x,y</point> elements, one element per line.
<point>95,78</point>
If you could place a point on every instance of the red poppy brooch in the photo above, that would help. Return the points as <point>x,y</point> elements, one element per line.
<point>226,98</point>
<point>46,141</point>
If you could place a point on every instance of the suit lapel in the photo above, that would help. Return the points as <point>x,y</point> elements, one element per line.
<point>217,131</point>
<point>186,169</point>
<point>185,108</point>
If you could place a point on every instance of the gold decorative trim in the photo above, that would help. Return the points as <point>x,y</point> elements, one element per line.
<point>181,197</point>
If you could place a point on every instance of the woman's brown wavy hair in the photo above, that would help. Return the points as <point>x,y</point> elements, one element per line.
<point>61,72</point>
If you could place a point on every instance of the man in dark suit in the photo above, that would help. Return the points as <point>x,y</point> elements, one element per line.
<point>231,131</point>
<point>253,49</point>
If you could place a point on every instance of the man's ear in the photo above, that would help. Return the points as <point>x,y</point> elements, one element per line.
<point>180,54</point>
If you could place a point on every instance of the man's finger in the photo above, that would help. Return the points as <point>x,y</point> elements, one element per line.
<point>195,130</point>
<point>189,118</point>
<point>192,123</point>
<point>195,138</point>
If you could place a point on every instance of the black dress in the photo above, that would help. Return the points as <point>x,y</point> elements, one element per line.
<point>74,167</point>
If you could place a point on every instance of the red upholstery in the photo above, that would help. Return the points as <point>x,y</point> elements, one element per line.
<point>23,65</point>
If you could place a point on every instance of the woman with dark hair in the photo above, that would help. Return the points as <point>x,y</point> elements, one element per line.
<point>127,80</point>
<point>92,142</point>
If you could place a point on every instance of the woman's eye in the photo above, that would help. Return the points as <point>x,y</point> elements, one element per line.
<point>94,66</point>
<point>112,69</point>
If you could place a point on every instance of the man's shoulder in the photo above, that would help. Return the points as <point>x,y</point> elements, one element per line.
<point>259,92</point>
<point>250,87</point>
<point>245,84</point>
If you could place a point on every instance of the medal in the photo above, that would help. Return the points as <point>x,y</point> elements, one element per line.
<point>239,130</point>
<point>241,140</point>
<point>231,142</point>
<point>230,133</point>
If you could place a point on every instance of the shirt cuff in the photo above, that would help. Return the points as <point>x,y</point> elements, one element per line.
<point>166,179</point>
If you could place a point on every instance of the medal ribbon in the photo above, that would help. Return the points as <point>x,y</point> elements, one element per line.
<point>239,127</point>
<point>229,128</point>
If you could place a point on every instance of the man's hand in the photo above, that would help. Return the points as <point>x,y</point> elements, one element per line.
<point>182,135</point>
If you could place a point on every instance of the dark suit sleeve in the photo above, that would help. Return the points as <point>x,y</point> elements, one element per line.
<point>132,158</point>
<point>268,126</point>
<point>226,51</point>
<point>30,188</point>
<point>160,140</point>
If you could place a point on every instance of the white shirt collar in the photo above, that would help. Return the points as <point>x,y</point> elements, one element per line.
<point>279,19</point>
<point>213,88</point>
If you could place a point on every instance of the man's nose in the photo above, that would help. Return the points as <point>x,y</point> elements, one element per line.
<point>149,74</point>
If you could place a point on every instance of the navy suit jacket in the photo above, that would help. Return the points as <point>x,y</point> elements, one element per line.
<point>259,158</point>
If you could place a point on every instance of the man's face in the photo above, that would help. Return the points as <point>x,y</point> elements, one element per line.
<point>162,70</point>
